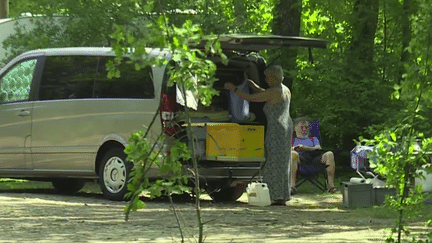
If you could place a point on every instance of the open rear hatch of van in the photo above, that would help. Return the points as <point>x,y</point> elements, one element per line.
<point>255,43</point>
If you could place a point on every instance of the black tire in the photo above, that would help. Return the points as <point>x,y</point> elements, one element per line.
<point>227,194</point>
<point>67,185</point>
<point>114,174</point>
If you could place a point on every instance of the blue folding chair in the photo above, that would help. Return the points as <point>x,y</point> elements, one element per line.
<point>311,171</point>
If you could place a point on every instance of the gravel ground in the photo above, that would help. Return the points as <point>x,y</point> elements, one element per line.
<point>48,217</point>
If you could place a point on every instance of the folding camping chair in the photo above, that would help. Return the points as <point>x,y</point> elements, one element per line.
<point>311,171</point>
<point>360,163</point>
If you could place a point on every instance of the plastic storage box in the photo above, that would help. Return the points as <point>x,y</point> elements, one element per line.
<point>380,194</point>
<point>358,195</point>
<point>234,142</point>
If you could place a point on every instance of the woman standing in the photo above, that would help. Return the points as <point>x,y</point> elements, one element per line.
<point>279,131</point>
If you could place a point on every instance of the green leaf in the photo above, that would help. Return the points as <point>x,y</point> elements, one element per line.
<point>393,136</point>
<point>396,94</point>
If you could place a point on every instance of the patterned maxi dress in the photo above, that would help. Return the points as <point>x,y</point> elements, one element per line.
<point>278,147</point>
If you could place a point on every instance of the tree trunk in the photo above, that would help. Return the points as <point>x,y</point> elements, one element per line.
<point>287,22</point>
<point>4,9</point>
<point>360,64</point>
<point>406,37</point>
<point>240,14</point>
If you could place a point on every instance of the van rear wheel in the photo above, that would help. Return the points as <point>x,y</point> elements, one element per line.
<point>228,194</point>
<point>113,174</point>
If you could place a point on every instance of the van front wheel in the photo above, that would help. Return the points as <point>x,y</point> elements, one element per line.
<point>113,174</point>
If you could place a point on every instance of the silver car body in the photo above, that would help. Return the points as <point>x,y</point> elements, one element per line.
<point>61,138</point>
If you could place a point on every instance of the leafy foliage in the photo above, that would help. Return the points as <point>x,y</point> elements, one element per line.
<point>146,156</point>
<point>90,23</point>
<point>398,157</point>
<point>397,154</point>
<point>189,69</point>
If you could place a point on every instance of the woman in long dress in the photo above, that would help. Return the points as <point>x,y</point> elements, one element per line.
<point>279,131</point>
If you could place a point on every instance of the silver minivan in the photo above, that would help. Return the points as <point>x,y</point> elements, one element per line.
<point>63,120</point>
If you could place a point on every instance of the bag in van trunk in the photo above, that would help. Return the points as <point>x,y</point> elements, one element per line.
<point>239,107</point>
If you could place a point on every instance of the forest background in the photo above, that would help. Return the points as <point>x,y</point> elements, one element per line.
<point>375,69</point>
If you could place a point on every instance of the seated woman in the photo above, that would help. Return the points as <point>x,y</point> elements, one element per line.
<point>307,148</point>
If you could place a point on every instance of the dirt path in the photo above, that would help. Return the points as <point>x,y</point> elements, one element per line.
<point>42,217</point>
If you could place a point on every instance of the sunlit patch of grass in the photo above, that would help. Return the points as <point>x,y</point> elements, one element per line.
<point>382,212</point>
<point>14,184</point>
<point>372,212</point>
<point>426,212</point>
<point>22,185</point>
<point>91,187</point>
<point>11,180</point>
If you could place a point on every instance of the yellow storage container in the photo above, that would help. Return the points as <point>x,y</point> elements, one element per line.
<point>234,142</point>
<point>252,139</point>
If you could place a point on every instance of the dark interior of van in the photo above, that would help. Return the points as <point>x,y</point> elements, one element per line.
<point>237,72</point>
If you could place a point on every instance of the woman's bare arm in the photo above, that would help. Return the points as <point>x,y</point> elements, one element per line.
<point>255,86</point>
<point>263,96</point>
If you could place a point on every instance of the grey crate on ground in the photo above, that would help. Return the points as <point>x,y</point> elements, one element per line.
<point>357,195</point>
<point>380,194</point>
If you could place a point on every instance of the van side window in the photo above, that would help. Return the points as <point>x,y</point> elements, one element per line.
<point>131,84</point>
<point>15,84</point>
<point>84,77</point>
<point>68,77</point>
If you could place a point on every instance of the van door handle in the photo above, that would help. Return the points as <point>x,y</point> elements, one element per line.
<point>24,113</point>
